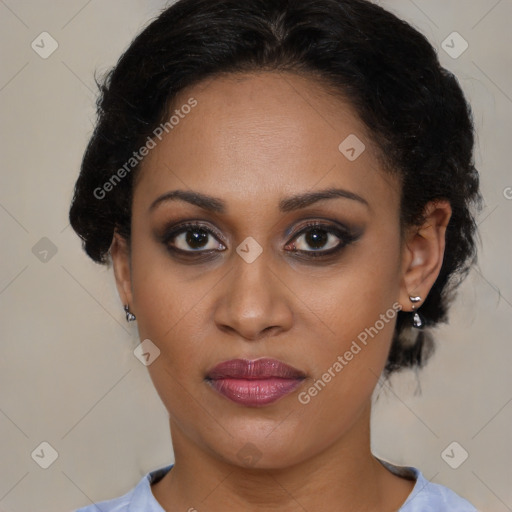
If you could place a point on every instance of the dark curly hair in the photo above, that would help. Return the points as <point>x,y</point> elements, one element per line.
<point>413,108</point>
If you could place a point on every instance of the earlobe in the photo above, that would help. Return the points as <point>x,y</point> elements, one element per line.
<point>423,254</point>
<point>120,253</point>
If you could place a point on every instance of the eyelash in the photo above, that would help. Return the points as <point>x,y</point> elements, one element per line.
<point>345,236</point>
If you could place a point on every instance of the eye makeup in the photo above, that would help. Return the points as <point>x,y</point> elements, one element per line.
<point>196,240</point>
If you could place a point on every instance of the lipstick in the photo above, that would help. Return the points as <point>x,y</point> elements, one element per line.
<point>254,383</point>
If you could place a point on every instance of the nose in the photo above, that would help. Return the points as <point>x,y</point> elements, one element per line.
<point>254,302</point>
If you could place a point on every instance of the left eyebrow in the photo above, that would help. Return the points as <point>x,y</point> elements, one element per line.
<point>288,204</point>
<point>302,200</point>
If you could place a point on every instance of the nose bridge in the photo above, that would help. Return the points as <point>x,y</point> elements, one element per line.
<point>253,299</point>
<point>251,285</point>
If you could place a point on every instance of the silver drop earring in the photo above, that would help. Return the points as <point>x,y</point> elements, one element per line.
<point>130,317</point>
<point>418,321</point>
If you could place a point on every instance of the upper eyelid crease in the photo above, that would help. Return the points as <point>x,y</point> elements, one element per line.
<point>289,204</point>
<point>324,225</point>
<point>336,231</point>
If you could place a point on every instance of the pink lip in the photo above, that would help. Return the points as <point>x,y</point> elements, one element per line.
<point>254,383</point>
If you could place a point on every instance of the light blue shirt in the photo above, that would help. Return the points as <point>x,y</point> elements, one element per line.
<point>425,496</point>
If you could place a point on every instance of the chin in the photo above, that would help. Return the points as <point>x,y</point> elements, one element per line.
<point>263,451</point>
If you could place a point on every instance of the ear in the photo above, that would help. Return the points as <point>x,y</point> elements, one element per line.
<point>120,253</point>
<point>423,253</point>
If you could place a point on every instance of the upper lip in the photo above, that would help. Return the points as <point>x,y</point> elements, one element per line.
<point>264,368</point>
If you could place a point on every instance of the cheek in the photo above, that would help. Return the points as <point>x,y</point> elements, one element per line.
<point>346,364</point>
<point>357,327</point>
<point>162,296</point>
<point>169,313</point>
<point>358,309</point>
<point>165,305</point>
<point>364,287</point>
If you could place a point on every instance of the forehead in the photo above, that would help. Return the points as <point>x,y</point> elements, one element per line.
<point>264,133</point>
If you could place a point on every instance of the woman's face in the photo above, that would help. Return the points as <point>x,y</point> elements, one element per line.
<point>234,288</point>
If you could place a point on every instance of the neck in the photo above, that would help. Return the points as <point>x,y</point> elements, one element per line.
<point>345,476</point>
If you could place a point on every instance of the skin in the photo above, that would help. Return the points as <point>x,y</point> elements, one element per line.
<point>251,141</point>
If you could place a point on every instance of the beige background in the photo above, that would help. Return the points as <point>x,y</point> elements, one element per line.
<point>68,375</point>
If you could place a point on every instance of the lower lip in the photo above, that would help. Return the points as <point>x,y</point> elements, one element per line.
<point>255,393</point>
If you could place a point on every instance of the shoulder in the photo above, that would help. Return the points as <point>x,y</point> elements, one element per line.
<point>429,497</point>
<point>139,498</point>
<point>120,504</point>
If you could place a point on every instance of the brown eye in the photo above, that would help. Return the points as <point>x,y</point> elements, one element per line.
<point>193,238</point>
<point>318,239</point>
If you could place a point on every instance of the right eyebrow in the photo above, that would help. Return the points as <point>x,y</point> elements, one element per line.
<point>204,201</point>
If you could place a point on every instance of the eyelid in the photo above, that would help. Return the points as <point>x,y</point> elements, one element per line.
<point>174,230</point>
<point>324,224</point>
<point>345,234</point>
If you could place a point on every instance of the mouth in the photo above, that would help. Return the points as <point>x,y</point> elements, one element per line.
<point>254,383</point>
